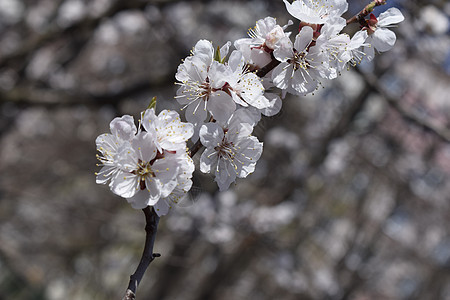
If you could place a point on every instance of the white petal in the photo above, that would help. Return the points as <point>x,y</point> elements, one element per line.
<point>172,134</point>
<point>167,188</point>
<point>123,127</point>
<point>275,105</point>
<point>196,112</point>
<point>266,25</point>
<point>149,120</point>
<point>303,84</point>
<point>340,7</point>
<point>244,45</point>
<point>296,9</point>
<point>140,200</point>
<point>108,144</point>
<point>284,50</point>
<point>217,74</point>
<point>281,75</point>
<point>383,39</point>
<point>251,152</point>
<point>208,160</point>
<point>153,187</point>
<point>369,51</point>
<point>221,106</point>
<point>144,146</point>
<point>106,173</point>
<point>211,134</point>
<point>204,50</point>
<point>391,16</point>
<point>303,38</point>
<point>125,184</point>
<point>165,170</point>
<point>236,61</point>
<point>193,69</point>
<point>225,174</point>
<point>161,207</point>
<point>238,131</point>
<point>252,90</point>
<point>243,115</point>
<point>259,57</point>
<point>238,99</point>
<point>224,49</point>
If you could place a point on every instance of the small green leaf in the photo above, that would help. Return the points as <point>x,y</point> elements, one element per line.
<point>217,55</point>
<point>152,103</point>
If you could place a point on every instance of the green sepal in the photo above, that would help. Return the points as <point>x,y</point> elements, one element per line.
<point>217,55</point>
<point>152,103</point>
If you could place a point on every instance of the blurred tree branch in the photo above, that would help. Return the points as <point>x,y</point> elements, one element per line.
<point>27,95</point>
<point>372,81</point>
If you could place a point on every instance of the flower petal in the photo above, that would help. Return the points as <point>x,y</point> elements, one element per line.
<point>391,16</point>
<point>211,134</point>
<point>221,106</point>
<point>383,39</point>
<point>204,50</point>
<point>281,75</point>
<point>144,146</point>
<point>140,200</point>
<point>303,38</point>
<point>225,174</point>
<point>125,184</point>
<point>208,160</point>
<point>275,105</point>
<point>123,127</point>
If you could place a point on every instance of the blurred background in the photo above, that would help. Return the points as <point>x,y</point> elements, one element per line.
<point>350,200</point>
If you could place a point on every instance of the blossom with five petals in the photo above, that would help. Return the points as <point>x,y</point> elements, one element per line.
<point>231,151</point>
<point>380,37</point>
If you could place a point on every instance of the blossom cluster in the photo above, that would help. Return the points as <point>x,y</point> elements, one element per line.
<point>148,165</point>
<point>224,93</point>
<point>218,94</point>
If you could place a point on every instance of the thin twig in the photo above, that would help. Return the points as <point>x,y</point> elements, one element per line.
<point>197,146</point>
<point>359,17</point>
<point>152,220</point>
<point>267,68</point>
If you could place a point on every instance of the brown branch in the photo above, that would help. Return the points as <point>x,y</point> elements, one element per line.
<point>194,149</point>
<point>152,220</point>
<point>267,68</point>
<point>366,11</point>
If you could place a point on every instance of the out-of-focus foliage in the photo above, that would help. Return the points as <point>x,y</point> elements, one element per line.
<point>350,199</point>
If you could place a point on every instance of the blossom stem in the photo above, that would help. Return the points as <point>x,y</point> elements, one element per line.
<point>152,220</point>
<point>197,146</point>
<point>267,68</point>
<point>359,17</point>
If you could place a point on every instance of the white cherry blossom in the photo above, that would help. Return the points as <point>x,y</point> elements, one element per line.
<point>301,68</point>
<point>184,184</point>
<point>148,164</point>
<point>316,11</point>
<point>171,133</point>
<point>354,54</point>
<point>231,151</point>
<point>201,82</point>
<point>122,130</point>
<point>145,175</point>
<point>380,37</point>
<point>264,38</point>
<point>246,88</point>
<point>332,46</point>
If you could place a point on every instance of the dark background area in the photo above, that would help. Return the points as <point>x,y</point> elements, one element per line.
<point>350,199</point>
